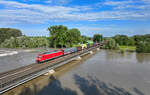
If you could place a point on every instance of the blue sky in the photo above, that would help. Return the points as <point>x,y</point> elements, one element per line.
<point>107,17</point>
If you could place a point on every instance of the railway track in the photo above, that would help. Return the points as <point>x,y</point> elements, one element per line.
<point>12,78</point>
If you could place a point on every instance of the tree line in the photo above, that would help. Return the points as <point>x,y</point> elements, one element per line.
<point>141,42</point>
<point>60,36</point>
<point>26,42</point>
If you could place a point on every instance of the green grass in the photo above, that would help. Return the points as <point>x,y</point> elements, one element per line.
<point>127,48</point>
<point>75,45</point>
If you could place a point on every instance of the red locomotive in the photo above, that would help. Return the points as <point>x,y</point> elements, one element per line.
<point>48,55</point>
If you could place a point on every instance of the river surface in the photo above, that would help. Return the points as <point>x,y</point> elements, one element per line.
<point>11,59</point>
<point>105,73</point>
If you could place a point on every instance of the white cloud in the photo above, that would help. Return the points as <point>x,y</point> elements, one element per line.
<point>112,30</point>
<point>15,12</point>
<point>48,1</point>
<point>128,4</point>
<point>89,31</point>
<point>146,1</point>
<point>37,7</point>
<point>116,3</point>
<point>58,2</point>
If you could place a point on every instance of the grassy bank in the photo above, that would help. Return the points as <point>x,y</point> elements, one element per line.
<point>127,48</point>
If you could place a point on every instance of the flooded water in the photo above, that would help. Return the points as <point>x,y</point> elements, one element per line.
<point>105,73</point>
<point>12,59</point>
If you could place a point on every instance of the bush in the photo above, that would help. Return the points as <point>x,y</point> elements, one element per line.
<point>110,44</point>
<point>124,40</point>
<point>143,47</point>
<point>25,42</point>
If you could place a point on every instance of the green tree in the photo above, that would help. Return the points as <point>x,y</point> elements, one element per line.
<point>124,40</point>
<point>141,38</point>
<point>110,44</point>
<point>97,38</point>
<point>143,47</point>
<point>131,41</point>
<point>58,35</point>
<point>6,33</point>
<point>73,37</point>
<point>84,39</point>
<point>62,36</point>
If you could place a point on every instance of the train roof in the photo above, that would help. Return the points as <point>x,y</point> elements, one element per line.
<point>49,52</point>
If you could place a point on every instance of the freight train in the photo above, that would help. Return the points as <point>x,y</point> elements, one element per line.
<point>52,55</point>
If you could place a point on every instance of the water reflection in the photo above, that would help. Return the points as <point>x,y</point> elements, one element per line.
<point>53,88</point>
<point>28,91</point>
<point>127,57</point>
<point>90,86</point>
<point>143,58</point>
<point>116,56</point>
<point>93,86</point>
<point>109,54</point>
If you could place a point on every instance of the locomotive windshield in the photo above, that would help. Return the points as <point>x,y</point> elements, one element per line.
<point>39,56</point>
<point>46,52</point>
